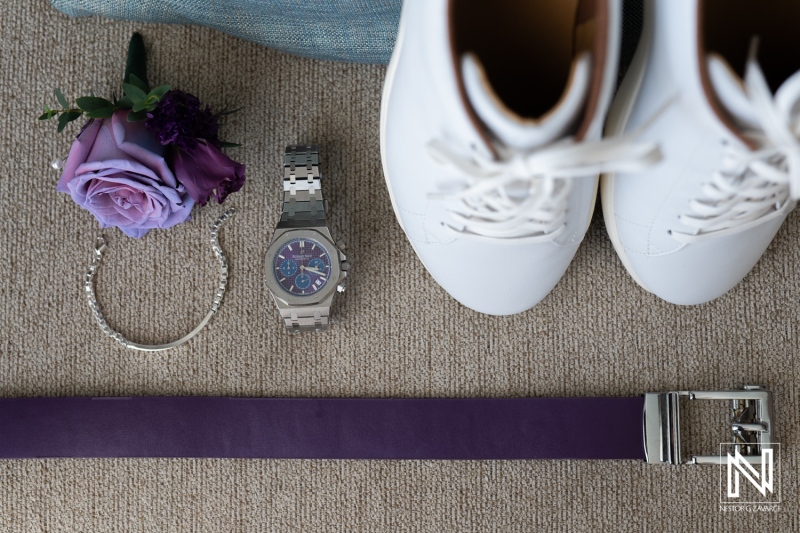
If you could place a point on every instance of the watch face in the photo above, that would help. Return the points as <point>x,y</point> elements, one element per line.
<point>302,267</point>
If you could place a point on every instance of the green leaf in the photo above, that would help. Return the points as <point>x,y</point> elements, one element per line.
<point>63,120</point>
<point>66,118</point>
<point>124,103</point>
<point>61,99</point>
<point>139,83</point>
<point>89,103</point>
<point>137,116</point>
<point>136,63</point>
<point>48,113</point>
<point>140,106</point>
<point>229,145</point>
<point>105,112</point>
<point>159,92</point>
<point>134,93</point>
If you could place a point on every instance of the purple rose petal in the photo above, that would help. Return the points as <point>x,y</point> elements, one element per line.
<point>117,171</point>
<point>207,172</point>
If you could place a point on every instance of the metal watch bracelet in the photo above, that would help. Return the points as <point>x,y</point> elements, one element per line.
<point>303,207</point>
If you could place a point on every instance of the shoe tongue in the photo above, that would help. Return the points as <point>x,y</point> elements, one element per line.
<point>519,132</point>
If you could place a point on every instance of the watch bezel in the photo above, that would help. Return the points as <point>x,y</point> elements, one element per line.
<point>296,300</point>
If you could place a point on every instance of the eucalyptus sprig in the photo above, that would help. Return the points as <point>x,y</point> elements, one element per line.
<point>139,98</point>
<point>66,113</point>
<point>137,95</point>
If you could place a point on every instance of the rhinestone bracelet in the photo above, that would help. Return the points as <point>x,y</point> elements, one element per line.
<point>100,247</point>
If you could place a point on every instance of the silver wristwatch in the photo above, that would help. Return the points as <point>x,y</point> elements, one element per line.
<point>305,267</point>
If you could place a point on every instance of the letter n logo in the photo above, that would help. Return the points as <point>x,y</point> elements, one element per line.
<point>761,481</point>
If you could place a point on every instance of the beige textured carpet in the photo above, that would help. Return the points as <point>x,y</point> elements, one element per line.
<point>396,333</point>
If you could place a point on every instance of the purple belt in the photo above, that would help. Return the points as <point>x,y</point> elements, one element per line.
<point>323,428</point>
<point>642,427</point>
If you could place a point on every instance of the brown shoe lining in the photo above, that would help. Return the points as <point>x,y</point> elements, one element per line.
<point>727,27</point>
<point>527,48</point>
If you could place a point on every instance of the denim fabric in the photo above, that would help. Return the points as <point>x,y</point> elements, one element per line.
<point>361,31</point>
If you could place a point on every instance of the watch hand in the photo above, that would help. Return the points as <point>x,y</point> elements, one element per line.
<point>314,271</point>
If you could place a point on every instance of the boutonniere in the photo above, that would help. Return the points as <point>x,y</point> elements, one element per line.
<point>143,160</point>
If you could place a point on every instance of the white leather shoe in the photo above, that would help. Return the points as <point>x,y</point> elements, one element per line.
<point>690,228</point>
<point>490,139</point>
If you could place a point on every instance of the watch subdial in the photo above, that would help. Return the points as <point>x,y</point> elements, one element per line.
<point>288,267</point>
<point>302,281</point>
<point>318,266</point>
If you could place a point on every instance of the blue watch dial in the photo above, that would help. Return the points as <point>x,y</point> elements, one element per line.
<point>317,264</point>
<point>302,267</point>
<point>302,281</point>
<point>288,267</point>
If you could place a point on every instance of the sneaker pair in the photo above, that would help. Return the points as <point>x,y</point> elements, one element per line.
<point>497,122</point>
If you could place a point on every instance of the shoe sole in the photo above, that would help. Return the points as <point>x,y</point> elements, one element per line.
<point>617,119</point>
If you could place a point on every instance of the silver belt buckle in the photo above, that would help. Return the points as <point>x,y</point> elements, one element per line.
<point>751,424</point>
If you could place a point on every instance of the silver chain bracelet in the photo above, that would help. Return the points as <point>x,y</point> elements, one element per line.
<point>100,247</point>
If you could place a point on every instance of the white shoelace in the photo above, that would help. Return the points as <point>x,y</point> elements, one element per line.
<point>523,195</point>
<point>754,186</point>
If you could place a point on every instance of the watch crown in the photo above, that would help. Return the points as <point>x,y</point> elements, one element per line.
<point>345,266</point>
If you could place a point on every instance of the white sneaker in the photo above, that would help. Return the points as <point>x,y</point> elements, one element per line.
<point>692,227</point>
<point>490,138</point>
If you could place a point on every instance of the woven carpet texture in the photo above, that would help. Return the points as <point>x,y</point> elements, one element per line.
<point>396,333</point>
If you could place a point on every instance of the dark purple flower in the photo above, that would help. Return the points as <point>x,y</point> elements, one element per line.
<point>179,119</point>
<point>205,172</point>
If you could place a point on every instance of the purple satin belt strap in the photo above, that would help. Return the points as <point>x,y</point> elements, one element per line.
<point>323,428</point>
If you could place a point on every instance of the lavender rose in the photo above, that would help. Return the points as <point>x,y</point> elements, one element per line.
<point>117,171</point>
<point>207,172</point>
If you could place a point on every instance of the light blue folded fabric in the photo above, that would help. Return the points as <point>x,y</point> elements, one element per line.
<point>360,31</point>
